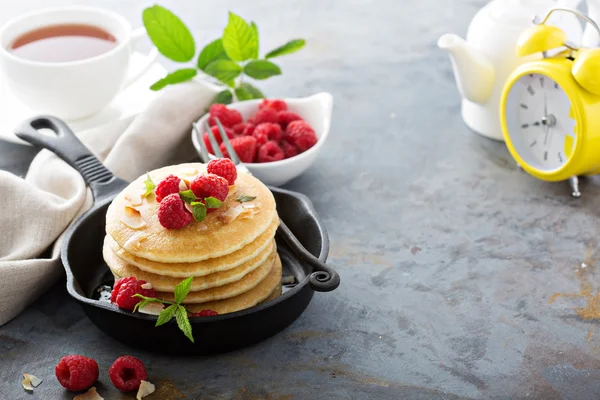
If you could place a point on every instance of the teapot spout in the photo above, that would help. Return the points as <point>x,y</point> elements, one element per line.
<point>474,73</point>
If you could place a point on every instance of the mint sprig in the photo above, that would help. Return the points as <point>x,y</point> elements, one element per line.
<point>228,59</point>
<point>199,208</point>
<point>149,184</point>
<point>175,309</point>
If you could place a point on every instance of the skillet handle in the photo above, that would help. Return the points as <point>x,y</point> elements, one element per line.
<point>324,279</point>
<point>66,145</point>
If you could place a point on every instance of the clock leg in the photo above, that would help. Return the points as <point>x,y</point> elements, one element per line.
<point>574,182</point>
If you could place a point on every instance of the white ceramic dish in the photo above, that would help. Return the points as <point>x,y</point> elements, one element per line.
<point>316,110</point>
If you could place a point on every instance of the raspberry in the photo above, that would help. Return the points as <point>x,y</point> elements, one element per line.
<point>270,151</point>
<point>228,117</point>
<point>125,288</point>
<point>127,372</point>
<point>268,130</point>
<point>264,115</point>
<point>223,167</point>
<point>210,185</point>
<point>205,313</point>
<point>301,135</point>
<point>243,128</point>
<point>289,150</point>
<point>207,143</point>
<point>261,136</point>
<point>76,372</point>
<point>244,146</point>
<point>167,186</point>
<point>275,104</point>
<point>285,117</point>
<point>172,213</point>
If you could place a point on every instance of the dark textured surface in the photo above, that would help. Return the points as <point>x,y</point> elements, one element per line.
<point>449,255</point>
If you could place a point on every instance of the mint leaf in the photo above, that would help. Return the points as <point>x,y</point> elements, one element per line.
<point>247,89</point>
<point>166,315</point>
<point>181,75</point>
<point>290,47</point>
<point>244,198</point>
<point>261,69</point>
<point>183,322</point>
<point>150,186</point>
<point>255,32</point>
<point>224,70</point>
<point>198,211</point>
<point>223,97</point>
<point>213,202</point>
<point>239,39</point>
<point>211,52</point>
<point>182,289</point>
<point>169,34</point>
<point>243,94</point>
<point>187,196</point>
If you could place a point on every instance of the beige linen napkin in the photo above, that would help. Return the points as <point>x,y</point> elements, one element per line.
<point>35,211</point>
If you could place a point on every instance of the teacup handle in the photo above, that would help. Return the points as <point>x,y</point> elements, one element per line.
<point>136,35</point>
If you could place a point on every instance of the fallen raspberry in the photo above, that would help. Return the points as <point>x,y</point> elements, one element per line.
<point>223,167</point>
<point>75,372</point>
<point>275,104</point>
<point>269,131</point>
<point>210,185</point>
<point>264,115</point>
<point>127,372</point>
<point>244,146</point>
<point>285,117</point>
<point>205,313</point>
<point>228,117</point>
<point>289,150</point>
<point>125,288</point>
<point>301,135</point>
<point>270,151</point>
<point>167,186</point>
<point>172,213</point>
<point>243,128</point>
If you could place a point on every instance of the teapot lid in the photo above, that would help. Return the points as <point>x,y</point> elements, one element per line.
<point>518,13</point>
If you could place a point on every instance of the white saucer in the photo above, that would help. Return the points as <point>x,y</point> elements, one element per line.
<point>127,103</point>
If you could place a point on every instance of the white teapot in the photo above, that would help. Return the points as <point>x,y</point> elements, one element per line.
<point>483,61</point>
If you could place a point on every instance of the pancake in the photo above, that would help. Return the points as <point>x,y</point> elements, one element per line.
<point>243,276</point>
<point>198,241</point>
<point>244,257</point>
<point>252,297</point>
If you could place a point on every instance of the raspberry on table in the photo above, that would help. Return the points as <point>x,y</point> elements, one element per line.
<point>125,288</point>
<point>223,167</point>
<point>244,146</point>
<point>275,104</point>
<point>285,117</point>
<point>243,128</point>
<point>205,313</point>
<point>228,117</point>
<point>269,152</point>
<point>172,213</point>
<point>75,372</point>
<point>289,150</point>
<point>210,185</point>
<point>301,135</point>
<point>167,186</point>
<point>127,372</point>
<point>264,115</point>
<point>272,131</point>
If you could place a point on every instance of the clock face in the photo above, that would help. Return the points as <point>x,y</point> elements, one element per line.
<point>538,122</point>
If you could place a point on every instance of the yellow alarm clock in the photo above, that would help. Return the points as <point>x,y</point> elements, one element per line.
<point>550,107</point>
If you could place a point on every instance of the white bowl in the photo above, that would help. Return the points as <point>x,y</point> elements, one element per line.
<point>316,110</point>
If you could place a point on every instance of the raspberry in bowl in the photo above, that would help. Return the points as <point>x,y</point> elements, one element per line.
<point>277,139</point>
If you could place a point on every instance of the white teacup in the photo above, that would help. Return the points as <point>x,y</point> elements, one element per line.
<point>77,89</point>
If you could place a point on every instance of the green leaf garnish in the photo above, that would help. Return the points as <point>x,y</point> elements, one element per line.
<point>290,47</point>
<point>169,34</point>
<point>249,90</point>
<point>181,75</point>
<point>150,186</point>
<point>198,211</point>
<point>166,315</point>
<point>224,70</point>
<point>223,97</point>
<point>255,32</point>
<point>261,69</point>
<point>145,302</point>
<point>182,289</point>
<point>188,196</point>
<point>239,39</point>
<point>211,52</point>
<point>183,322</point>
<point>244,198</point>
<point>213,202</point>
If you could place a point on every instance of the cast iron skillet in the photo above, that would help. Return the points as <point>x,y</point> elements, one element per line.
<point>86,270</point>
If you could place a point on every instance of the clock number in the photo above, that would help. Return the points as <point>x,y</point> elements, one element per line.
<point>525,126</point>
<point>560,157</point>
<point>536,123</point>
<point>541,81</point>
<point>533,143</point>
<point>545,156</point>
<point>524,106</point>
<point>555,85</point>
<point>530,90</point>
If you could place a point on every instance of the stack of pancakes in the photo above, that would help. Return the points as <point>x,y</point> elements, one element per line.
<point>231,254</point>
